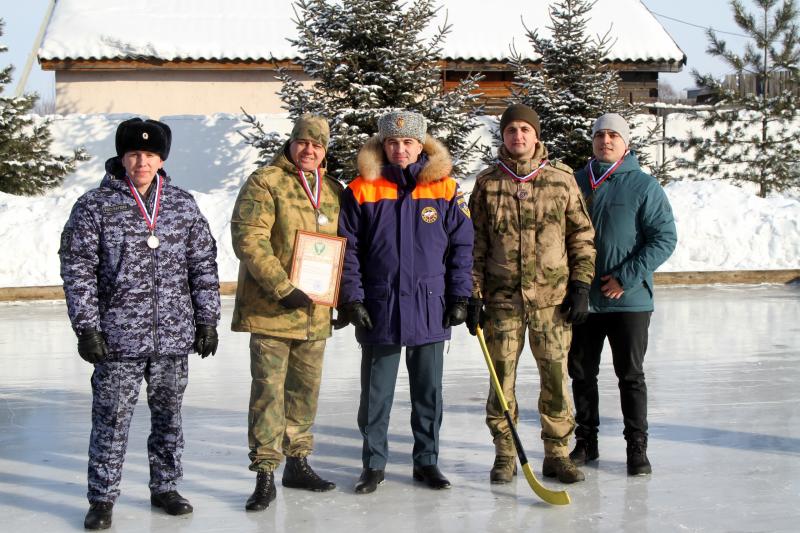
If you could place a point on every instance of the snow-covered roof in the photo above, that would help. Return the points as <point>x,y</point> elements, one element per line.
<point>258,29</point>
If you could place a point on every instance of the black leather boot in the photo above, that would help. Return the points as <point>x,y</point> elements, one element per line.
<point>369,481</point>
<point>172,503</point>
<point>431,476</point>
<point>264,494</point>
<point>298,474</point>
<point>638,463</point>
<point>585,450</point>
<point>99,515</point>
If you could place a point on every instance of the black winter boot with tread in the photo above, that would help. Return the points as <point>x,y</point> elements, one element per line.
<point>298,474</point>
<point>585,451</point>
<point>264,493</point>
<point>638,463</point>
<point>99,515</point>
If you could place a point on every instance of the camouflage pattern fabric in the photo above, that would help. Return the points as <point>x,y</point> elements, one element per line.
<point>115,388</point>
<point>283,399</point>
<point>146,302</point>
<point>528,246</point>
<point>311,128</point>
<point>549,338</point>
<point>271,207</point>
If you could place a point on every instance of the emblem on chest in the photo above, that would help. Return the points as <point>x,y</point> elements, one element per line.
<point>429,215</point>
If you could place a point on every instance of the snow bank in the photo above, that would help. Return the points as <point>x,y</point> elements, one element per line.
<point>720,227</point>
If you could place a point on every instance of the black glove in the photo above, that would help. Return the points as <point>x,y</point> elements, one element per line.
<point>92,346</point>
<point>295,299</point>
<point>576,303</point>
<point>205,340</point>
<point>356,314</point>
<point>342,318</point>
<point>476,316</point>
<point>456,312</point>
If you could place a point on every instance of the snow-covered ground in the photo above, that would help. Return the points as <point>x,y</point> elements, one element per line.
<point>722,372</point>
<point>720,227</point>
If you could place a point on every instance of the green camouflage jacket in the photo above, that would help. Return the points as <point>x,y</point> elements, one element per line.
<point>529,244</point>
<point>271,207</point>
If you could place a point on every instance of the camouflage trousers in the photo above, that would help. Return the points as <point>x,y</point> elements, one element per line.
<point>549,337</point>
<point>115,390</point>
<point>283,399</point>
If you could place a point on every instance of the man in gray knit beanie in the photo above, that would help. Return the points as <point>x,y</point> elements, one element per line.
<point>635,234</point>
<point>614,123</point>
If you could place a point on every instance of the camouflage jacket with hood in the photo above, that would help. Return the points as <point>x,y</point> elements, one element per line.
<point>145,301</point>
<point>271,207</point>
<point>529,245</point>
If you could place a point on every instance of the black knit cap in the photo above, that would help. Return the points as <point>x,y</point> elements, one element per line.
<point>519,112</point>
<point>146,135</point>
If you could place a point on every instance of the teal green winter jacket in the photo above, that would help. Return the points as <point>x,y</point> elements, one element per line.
<point>634,233</point>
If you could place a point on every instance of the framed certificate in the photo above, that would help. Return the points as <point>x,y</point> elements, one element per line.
<point>317,266</point>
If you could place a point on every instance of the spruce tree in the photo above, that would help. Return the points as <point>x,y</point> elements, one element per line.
<point>573,85</point>
<point>26,165</point>
<point>368,57</point>
<point>754,135</point>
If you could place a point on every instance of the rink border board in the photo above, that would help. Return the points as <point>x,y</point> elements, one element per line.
<point>743,277</point>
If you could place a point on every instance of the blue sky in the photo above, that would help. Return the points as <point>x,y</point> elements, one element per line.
<point>23,19</point>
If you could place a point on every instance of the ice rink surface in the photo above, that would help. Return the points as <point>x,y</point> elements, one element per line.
<point>723,372</point>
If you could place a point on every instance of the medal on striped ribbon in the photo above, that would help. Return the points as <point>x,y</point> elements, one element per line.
<point>152,240</point>
<point>522,193</point>
<point>596,182</point>
<point>314,197</point>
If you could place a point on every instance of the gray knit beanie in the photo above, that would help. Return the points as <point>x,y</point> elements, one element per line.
<point>402,124</point>
<point>613,122</point>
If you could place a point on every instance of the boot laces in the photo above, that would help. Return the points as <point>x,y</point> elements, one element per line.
<point>306,469</point>
<point>263,483</point>
<point>503,461</point>
<point>638,448</point>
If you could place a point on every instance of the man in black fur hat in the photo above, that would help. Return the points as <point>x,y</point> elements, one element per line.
<point>140,277</point>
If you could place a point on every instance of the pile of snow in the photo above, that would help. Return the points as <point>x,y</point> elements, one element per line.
<point>720,227</point>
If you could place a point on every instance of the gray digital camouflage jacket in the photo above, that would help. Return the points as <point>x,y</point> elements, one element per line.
<point>146,302</point>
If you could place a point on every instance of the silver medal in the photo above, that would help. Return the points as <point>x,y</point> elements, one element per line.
<point>152,241</point>
<point>322,219</point>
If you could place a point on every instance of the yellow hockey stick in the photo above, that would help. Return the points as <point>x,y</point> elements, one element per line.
<point>550,496</point>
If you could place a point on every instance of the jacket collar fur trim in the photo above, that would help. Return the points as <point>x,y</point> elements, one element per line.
<point>371,160</point>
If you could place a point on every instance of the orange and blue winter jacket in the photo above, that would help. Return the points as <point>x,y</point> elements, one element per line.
<point>409,245</point>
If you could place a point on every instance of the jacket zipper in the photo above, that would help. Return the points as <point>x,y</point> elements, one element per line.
<point>155,302</point>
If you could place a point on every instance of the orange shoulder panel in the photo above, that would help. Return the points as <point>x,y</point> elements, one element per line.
<point>372,191</point>
<point>442,189</point>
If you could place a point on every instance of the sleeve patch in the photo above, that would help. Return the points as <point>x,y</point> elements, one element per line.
<point>66,240</point>
<point>462,204</point>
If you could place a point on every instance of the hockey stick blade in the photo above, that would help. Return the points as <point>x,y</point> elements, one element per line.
<point>550,496</point>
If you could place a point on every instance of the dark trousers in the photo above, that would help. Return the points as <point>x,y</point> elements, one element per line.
<point>627,336</point>
<point>379,364</point>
